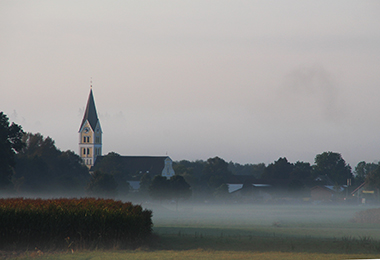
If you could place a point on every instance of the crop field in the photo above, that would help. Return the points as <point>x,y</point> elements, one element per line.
<point>246,232</point>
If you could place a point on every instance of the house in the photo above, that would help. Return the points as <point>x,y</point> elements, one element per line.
<point>364,193</point>
<point>247,188</point>
<point>321,193</point>
<point>325,189</point>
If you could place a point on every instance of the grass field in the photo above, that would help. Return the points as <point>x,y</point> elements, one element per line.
<point>246,232</point>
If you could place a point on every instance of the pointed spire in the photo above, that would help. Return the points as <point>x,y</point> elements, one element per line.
<point>90,113</point>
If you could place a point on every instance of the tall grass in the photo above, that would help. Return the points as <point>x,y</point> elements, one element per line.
<point>75,223</point>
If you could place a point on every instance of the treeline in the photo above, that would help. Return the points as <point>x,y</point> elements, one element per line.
<point>32,164</point>
<point>41,167</point>
<point>211,177</point>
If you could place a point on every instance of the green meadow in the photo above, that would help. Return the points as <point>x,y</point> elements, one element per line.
<point>203,231</point>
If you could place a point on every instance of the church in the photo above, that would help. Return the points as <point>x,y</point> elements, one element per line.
<point>90,147</point>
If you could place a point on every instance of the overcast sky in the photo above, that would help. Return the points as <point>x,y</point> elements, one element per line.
<point>248,81</point>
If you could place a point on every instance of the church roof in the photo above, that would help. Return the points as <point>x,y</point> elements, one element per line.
<point>90,113</point>
<point>137,164</point>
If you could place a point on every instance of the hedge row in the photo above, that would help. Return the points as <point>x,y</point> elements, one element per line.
<point>72,222</point>
<point>368,216</point>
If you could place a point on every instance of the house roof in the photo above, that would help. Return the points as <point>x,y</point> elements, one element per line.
<point>358,188</point>
<point>234,187</point>
<point>134,184</point>
<point>325,180</point>
<point>318,187</point>
<point>139,164</point>
<point>90,114</point>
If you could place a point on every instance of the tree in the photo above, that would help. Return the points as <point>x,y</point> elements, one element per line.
<point>373,180</point>
<point>362,169</point>
<point>280,169</point>
<point>175,188</point>
<point>216,172</point>
<point>42,168</point>
<point>192,173</point>
<point>102,185</point>
<point>301,171</point>
<point>145,183</point>
<point>255,170</point>
<point>160,188</point>
<point>180,188</point>
<point>10,144</point>
<point>334,166</point>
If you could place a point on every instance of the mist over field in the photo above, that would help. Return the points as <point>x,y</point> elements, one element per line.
<point>294,220</point>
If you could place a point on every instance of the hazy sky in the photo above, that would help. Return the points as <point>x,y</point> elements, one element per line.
<point>249,81</point>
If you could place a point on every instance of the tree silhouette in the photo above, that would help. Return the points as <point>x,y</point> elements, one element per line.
<point>102,185</point>
<point>10,144</point>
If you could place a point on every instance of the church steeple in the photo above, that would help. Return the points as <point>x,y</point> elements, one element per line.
<point>90,114</point>
<point>90,134</point>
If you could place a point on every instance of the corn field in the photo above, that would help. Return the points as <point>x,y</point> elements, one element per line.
<point>75,223</point>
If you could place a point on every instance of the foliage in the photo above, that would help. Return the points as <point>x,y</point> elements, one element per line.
<point>175,188</point>
<point>216,172</point>
<point>373,178</point>
<point>160,188</point>
<point>180,189</point>
<point>247,169</point>
<point>280,169</point>
<point>111,164</point>
<point>10,143</point>
<point>301,171</point>
<point>91,222</point>
<point>334,166</point>
<point>145,182</point>
<point>102,185</point>
<point>42,168</point>
<point>362,169</point>
<point>194,168</point>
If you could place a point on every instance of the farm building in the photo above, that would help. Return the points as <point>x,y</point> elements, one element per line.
<point>246,187</point>
<point>327,192</point>
<point>364,193</point>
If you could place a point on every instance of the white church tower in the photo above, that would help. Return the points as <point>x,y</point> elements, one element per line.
<point>90,134</point>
